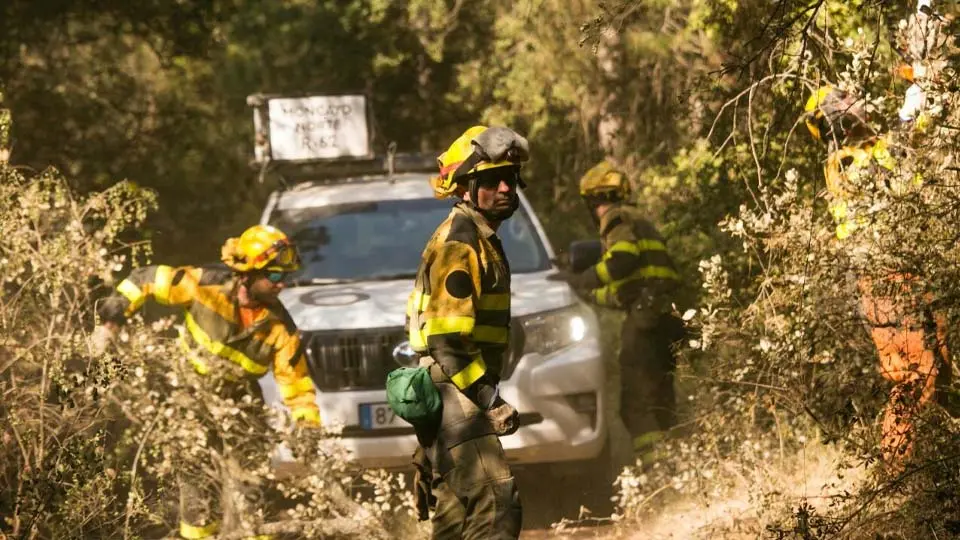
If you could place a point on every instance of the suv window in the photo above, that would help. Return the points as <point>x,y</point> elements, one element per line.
<point>384,240</point>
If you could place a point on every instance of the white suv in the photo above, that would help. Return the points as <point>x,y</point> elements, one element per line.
<point>360,239</point>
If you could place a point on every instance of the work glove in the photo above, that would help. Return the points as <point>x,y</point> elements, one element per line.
<point>505,418</point>
<point>502,415</point>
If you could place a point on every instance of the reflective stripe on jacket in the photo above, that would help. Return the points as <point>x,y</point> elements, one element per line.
<point>459,310</point>
<point>635,267</point>
<point>212,320</point>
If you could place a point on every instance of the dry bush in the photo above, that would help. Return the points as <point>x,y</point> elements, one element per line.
<point>782,361</point>
<point>93,444</point>
<point>59,477</point>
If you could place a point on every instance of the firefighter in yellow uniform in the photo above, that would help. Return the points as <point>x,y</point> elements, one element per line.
<point>234,331</point>
<point>459,321</point>
<point>635,275</point>
<point>909,336</point>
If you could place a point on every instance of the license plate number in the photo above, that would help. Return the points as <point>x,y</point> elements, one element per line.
<point>378,416</point>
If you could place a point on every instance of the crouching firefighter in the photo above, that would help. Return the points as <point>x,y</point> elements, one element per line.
<point>458,318</point>
<point>234,331</point>
<point>635,275</point>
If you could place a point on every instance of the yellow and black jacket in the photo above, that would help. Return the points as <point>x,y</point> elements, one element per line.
<point>217,333</point>
<point>853,170</point>
<point>636,269</point>
<point>459,311</point>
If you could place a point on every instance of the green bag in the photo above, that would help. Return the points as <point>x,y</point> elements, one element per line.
<point>413,396</point>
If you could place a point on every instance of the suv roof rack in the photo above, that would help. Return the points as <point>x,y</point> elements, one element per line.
<point>331,171</point>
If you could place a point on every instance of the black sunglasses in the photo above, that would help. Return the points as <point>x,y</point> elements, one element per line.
<point>491,178</point>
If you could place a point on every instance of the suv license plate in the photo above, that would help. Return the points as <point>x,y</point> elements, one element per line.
<point>378,416</point>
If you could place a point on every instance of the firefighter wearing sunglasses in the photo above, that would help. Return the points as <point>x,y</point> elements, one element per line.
<point>458,318</point>
<point>234,331</point>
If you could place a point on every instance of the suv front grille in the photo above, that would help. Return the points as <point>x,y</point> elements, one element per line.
<point>360,359</point>
<point>353,360</point>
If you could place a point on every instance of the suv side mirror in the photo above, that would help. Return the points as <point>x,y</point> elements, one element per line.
<point>583,254</point>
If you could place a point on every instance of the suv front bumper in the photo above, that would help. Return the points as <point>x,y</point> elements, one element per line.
<point>560,398</point>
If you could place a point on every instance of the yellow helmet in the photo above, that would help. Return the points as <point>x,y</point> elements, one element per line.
<point>479,148</point>
<point>261,247</point>
<point>832,113</point>
<point>604,181</point>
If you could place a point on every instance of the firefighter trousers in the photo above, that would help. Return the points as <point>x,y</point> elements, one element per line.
<point>470,480</point>
<point>647,365</point>
<point>911,342</point>
<point>478,498</point>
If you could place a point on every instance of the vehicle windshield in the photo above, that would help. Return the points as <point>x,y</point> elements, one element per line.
<point>384,240</point>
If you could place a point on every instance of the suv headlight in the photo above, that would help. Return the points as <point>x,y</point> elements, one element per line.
<point>551,331</point>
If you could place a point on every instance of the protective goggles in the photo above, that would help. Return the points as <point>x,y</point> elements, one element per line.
<point>275,277</point>
<point>282,256</point>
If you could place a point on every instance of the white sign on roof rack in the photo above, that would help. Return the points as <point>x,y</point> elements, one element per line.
<point>318,128</point>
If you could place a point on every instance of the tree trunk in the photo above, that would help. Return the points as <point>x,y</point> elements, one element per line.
<point>609,57</point>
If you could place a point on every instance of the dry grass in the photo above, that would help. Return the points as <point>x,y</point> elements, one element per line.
<point>810,477</point>
<point>815,477</point>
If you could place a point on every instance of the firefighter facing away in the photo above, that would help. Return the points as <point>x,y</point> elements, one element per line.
<point>459,321</point>
<point>235,330</point>
<point>635,275</point>
<point>910,337</point>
